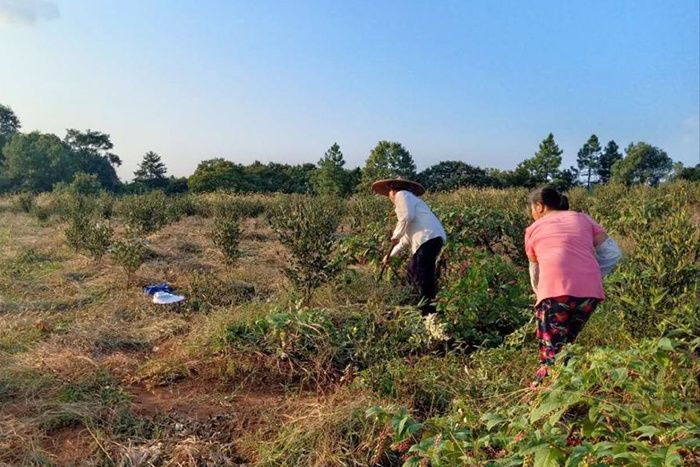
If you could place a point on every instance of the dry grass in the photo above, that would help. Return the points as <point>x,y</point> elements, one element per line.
<point>65,319</point>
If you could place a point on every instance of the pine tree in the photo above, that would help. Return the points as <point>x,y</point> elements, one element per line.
<point>544,165</point>
<point>610,155</point>
<point>388,160</point>
<point>588,159</point>
<point>331,178</point>
<point>151,170</point>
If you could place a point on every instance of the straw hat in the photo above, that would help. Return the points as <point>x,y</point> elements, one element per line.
<point>382,187</point>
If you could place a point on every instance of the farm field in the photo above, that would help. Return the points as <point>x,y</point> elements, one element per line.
<point>289,350</point>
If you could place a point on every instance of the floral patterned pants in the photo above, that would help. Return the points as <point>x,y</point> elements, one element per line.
<point>559,322</point>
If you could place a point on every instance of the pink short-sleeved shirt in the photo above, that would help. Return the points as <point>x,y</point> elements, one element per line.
<point>564,247</point>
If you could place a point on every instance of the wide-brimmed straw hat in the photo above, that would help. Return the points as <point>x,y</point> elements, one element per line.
<point>382,187</point>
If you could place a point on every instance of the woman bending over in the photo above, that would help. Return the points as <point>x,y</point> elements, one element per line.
<point>569,254</point>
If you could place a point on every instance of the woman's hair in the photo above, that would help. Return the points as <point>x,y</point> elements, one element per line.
<point>551,198</point>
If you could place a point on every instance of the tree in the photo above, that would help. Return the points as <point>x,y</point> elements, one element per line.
<point>588,159</point>
<point>331,178</point>
<point>607,160</point>
<point>450,175</point>
<point>92,150</point>
<point>9,125</point>
<point>566,179</point>
<point>544,165</point>
<point>36,161</point>
<point>81,184</point>
<point>643,163</point>
<point>151,171</point>
<point>388,160</point>
<point>218,174</point>
<point>687,173</point>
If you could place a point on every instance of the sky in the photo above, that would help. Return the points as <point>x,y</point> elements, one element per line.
<point>479,81</point>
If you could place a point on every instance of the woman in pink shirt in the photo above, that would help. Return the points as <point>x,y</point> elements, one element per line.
<point>569,253</point>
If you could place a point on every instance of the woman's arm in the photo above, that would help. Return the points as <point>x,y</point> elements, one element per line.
<point>534,270</point>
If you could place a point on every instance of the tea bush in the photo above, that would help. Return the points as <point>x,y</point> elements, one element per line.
<point>129,253</point>
<point>146,213</point>
<point>658,283</point>
<point>308,227</point>
<point>87,235</point>
<point>226,235</point>
<point>483,298</point>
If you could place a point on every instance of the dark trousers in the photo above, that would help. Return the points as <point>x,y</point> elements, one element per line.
<point>421,273</point>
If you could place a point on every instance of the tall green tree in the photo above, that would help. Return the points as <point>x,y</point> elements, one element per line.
<point>544,165</point>
<point>151,171</point>
<point>450,175</point>
<point>9,125</point>
<point>331,178</point>
<point>643,163</point>
<point>36,161</point>
<point>388,160</point>
<point>218,174</point>
<point>611,154</point>
<point>588,159</point>
<point>92,151</point>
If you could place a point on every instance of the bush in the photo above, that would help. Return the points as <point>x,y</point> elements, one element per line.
<point>82,184</point>
<point>307,226</point>
<point>226,235</point>
<point>129,253</point>
<point>484,298</point>
<point>658,283</point>
<point>87,235</point>
<point>622,407</point>
<point>24,202</point>
<point>146,213</point>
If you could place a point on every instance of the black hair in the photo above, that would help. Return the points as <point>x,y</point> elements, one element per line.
<point>551,198</point>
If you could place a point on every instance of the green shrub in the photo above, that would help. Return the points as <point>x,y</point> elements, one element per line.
<point>146,213</point>
<point>87,235</point>
<point>129,253</point>
<point>658,283</point>
<point>308,226</point>
<point>81,184</point>
<point>623,407</point>
<point>484,298</point>
<point>226,235</point>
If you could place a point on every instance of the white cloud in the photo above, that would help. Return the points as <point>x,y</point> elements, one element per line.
<point>27,11</point>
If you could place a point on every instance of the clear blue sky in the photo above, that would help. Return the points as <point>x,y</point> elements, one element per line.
<point>478,81</point>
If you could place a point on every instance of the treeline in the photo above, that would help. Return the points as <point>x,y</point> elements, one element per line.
<point>83,161</point>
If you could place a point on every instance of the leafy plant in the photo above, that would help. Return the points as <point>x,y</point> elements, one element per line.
<point>226,235</point>
<point>146,213</point>
<point>129,253</point>
<point>308,226</point>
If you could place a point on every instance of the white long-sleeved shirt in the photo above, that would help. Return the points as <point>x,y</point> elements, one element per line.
<point>416,223</point>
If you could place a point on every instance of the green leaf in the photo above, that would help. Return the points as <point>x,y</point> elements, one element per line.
<point>492,420</point>
<point>547,456</point>
<point>665,344</point>
<point>646,431</point>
